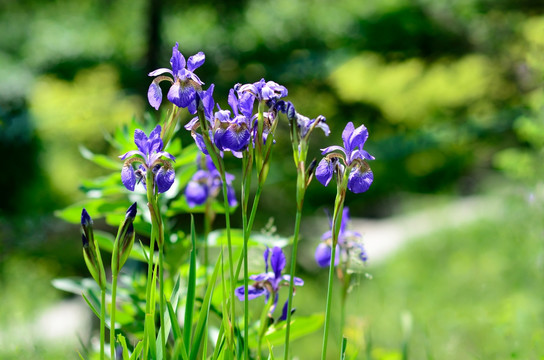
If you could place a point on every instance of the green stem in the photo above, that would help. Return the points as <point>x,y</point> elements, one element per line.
<point>102,323</point>
<point>112,317</point>
<point>229,244</point>
<point>148,300</point>
<point>161,298</point>
<point>336,222</point>
<point>291,280</point>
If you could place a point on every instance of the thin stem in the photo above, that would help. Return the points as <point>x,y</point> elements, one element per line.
<point>161,297</point>
<point>246,182</point>
<point>229,243</point>
<point>112,317</point>
<point>291,280</point>
<point>329,301</point>
<point>102,323</point>
<point>336,222</point>
<point>148,300</point>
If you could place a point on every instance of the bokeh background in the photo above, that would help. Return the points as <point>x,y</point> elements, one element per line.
<point>451,92</point>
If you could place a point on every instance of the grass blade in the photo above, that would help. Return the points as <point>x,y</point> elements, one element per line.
<point>191,285</point>
<point>204,311</point>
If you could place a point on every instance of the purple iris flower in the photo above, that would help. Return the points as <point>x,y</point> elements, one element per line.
<point>354,158</point>
<point>234,133</point>
<point>150,158</point>
<point>263,90</point>
<point>208,103</point>
<point>348,241</point>
<point>206,183</point>
<point>182,93</point>
<point>269,282</point>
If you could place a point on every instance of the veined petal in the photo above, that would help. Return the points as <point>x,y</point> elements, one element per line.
<point>277,261</point>
<point>177,61</point>
<point>154,95</point>
<point>358,138</point>
<point>235,138</point>
<point>182,96</point>
<point>164,179</point>
<point>166,154</point>
<point>195,61</point>
<point>359,181</point>
<point>346,134</point>
<point>141,141</point>
<point>155,141</point>
<point>324,171</point>
<point>160,72</point>
<point>128,177</point>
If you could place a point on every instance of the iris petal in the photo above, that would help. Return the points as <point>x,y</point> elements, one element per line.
<point>154,95</point>
<point>128,177</point>
<point>360,181</point>
<point>324,171</point>
<point>164,179</point>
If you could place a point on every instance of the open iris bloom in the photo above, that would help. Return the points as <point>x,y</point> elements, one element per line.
<point>352,157</point>
<point>185,82</point>
<point>234,133</point>
<point>263,90</point>
<point>150,157</point>
<point>206,184</point>
<point>349,242</point>
<point>269,282</point>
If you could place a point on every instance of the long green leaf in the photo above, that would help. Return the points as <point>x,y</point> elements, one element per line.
<point>204,311</point>
<point>173,302</point>
<point>123,343</point>
<point>343,350</point>
<point>137,350</point>
<point>191,287</point>
<point>300,327</point>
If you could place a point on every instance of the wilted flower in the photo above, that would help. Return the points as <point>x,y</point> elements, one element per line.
<point>206,183</point>
<point>348,242</point>
<point>150,157</point>
<point>353,157</point>
<point>185,83</point>
<point>268,283</point>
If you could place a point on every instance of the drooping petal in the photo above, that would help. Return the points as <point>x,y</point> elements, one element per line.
<point>323,255</point>
<point>181,96</point>
<point>332,148</point>
<point>235,138</point>
<point>324,171</point>
<point>252,292</point>
<point>132,153</point>
<point>199,141</point>
<point>196,193</point>
<point>195,61</point>
<point>360,181</point>
<point>277,261</point>
<point>154,95</point>
<point>164,178</point>
<point>128,177</point>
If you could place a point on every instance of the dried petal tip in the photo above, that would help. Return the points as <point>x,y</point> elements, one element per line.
<point>132,210</point>
<point>85,218</point>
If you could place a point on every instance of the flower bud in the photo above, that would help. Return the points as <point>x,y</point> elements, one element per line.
<point>124,240</point>
<point>91,251</point>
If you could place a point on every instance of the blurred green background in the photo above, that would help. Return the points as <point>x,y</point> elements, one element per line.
<point>451,92</point>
